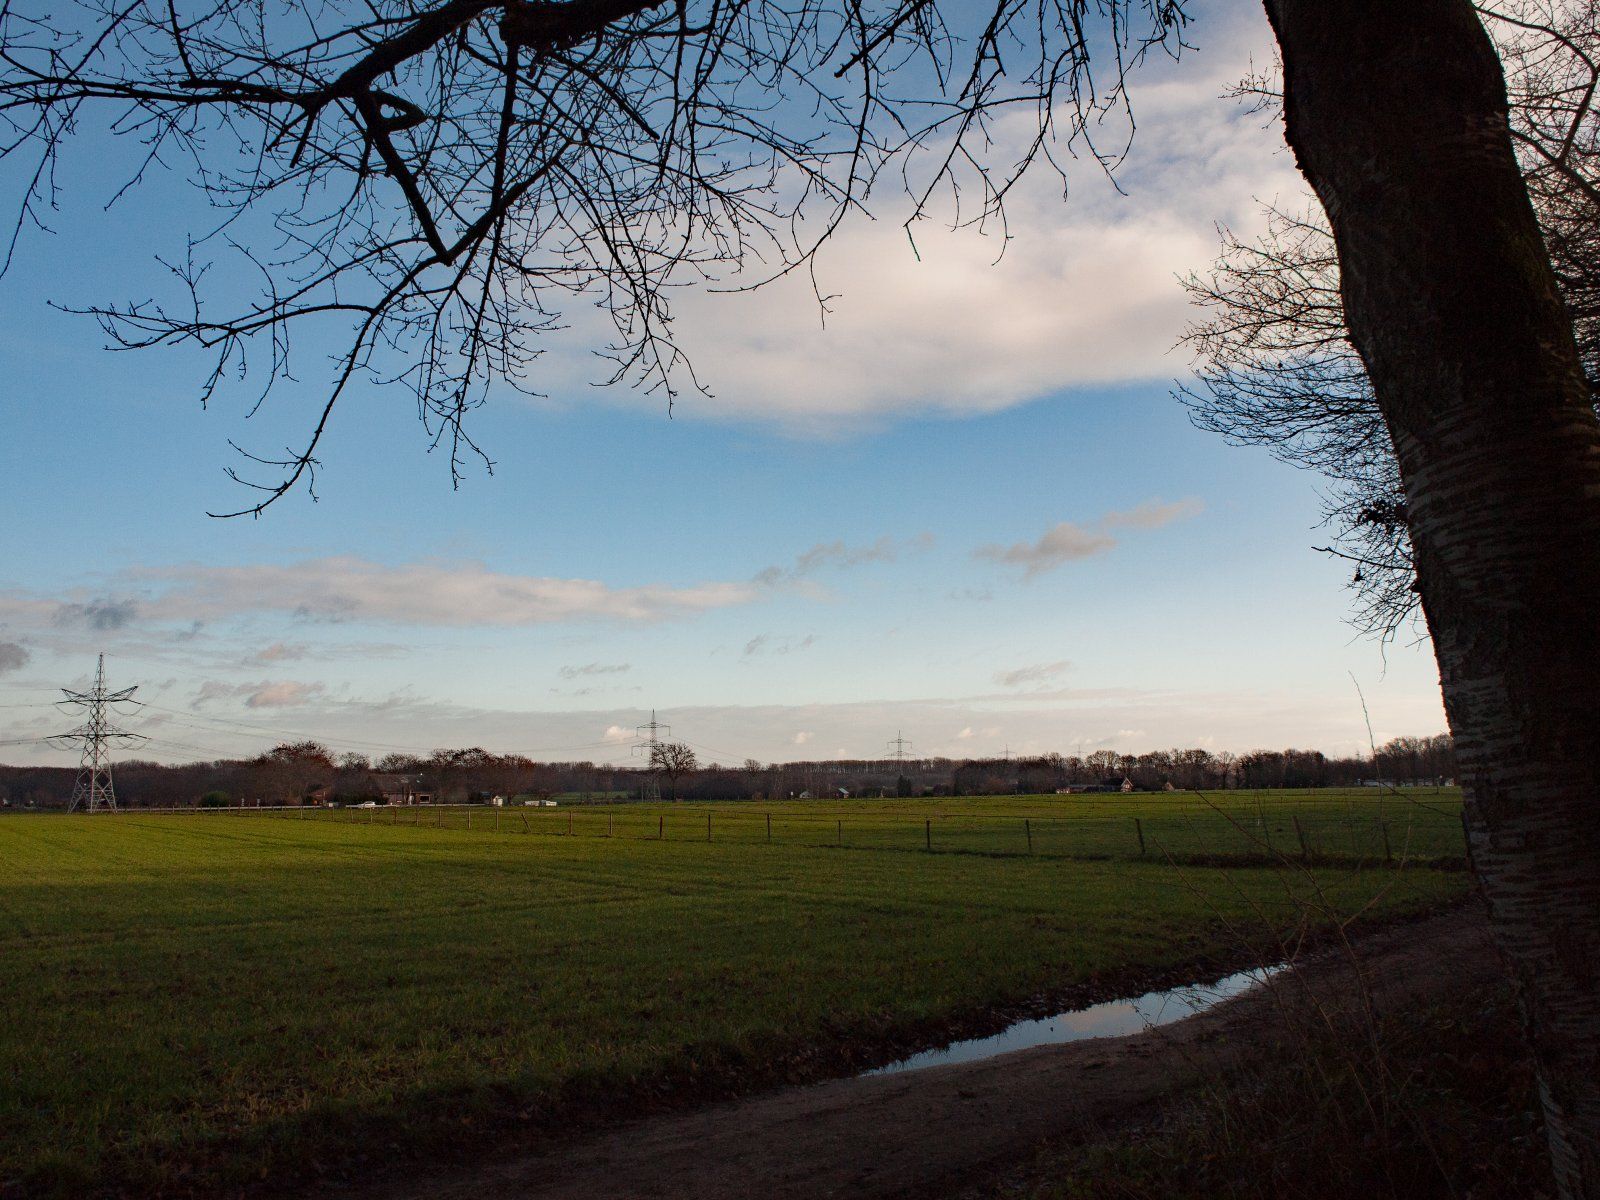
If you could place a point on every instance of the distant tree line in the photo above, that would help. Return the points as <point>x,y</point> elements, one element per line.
<point>295,773</point>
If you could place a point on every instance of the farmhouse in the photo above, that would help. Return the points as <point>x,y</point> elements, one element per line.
<point>1105,785</point>
<point>401,789</point>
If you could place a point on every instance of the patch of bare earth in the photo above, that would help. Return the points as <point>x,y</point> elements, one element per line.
<point>926,1132</point>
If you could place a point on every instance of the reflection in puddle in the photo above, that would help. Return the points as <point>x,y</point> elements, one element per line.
<point>1115,1018</point>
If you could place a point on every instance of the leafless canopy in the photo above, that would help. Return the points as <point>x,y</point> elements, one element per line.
<point>441,181</point>
<point>1274,362</point>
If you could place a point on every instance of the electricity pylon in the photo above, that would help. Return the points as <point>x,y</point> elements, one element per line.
<point>93,790</point>
<point>650,738</point>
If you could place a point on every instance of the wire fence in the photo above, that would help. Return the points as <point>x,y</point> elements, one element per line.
<point>1397,832</point>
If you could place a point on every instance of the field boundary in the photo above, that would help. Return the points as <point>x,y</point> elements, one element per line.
<point>1197,838</point>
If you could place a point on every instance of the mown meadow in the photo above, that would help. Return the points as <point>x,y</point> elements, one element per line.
<point>193,1003</point>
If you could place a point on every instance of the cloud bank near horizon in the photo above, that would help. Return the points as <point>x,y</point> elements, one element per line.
<point>1069,721</point>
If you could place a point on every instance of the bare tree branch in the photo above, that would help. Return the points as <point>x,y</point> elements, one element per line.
<point>440,183</point>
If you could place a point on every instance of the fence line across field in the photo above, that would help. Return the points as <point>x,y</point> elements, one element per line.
<point>1411,835</point>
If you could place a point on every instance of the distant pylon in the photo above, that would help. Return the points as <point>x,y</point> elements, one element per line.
<point>648,733</point>
<point>649,738</point>
<point>898,747</point>
<point>93,790</point>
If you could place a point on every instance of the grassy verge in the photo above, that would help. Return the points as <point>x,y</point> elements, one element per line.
<point>1437,1101</point>
<point>194,1004</point>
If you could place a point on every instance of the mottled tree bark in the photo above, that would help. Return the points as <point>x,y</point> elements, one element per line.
<point>1397,115</point>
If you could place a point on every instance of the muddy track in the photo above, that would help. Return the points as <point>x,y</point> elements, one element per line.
<point>924,1133</point>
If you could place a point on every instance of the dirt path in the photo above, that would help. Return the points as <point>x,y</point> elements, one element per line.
<point>922,1133</point>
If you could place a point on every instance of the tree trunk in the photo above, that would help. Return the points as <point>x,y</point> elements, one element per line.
<point>1397,115</point>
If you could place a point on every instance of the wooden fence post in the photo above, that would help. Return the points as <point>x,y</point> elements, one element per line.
<point>769,827</point>
<point>661,829</point>
<point>708,827</point>
<point>1388,854</point>
<point>569,822</point>
<point>610,823</point>
<point>1027,827</point>
<point>524,817</point>
<point>838,833</point>
<point>1138,828</point>
<point>497,820</point>
<point>1300,834</point>
<point>927,834</point>
<point>469,820</point>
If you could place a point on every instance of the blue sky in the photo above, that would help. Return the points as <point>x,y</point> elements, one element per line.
<point>967,509</point>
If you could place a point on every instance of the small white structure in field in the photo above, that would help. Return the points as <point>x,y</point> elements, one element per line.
<point>497,801</point>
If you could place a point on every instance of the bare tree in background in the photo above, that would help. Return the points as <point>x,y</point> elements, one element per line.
<point>673,760</point>
<point>1274,364</point>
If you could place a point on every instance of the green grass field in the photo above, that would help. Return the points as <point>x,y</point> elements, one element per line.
<point>193,1001</point>
<point>1334,824</point>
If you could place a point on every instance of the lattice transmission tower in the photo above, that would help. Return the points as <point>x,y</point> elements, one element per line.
<point>900,748</point>
<point>93,790</point>
<point>896,751</point>
<point>649,738</point>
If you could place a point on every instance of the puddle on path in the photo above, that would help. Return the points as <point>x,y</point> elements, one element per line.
<point>1115,1018</point>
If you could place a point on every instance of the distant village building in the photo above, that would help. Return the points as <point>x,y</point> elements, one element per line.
<point>401,789</point>
<point>1105,785</point>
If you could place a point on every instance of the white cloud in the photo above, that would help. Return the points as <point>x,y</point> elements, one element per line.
<point>1068,542</point>
<point>766,643</point>
<point>424,593</point>
<point>593,669</point>
<point>1038,673</point>
<point>1314,712</point>
<point>1152,514</point>
<point>265,694</point>
<point>970,733</point>
<point>282,652</point>
<point>287,694</point>
<point>1059,544</point>
<point>101,615</point>
<point>212,690</point>
<point>1084,291</point>
<point>838,554</point>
